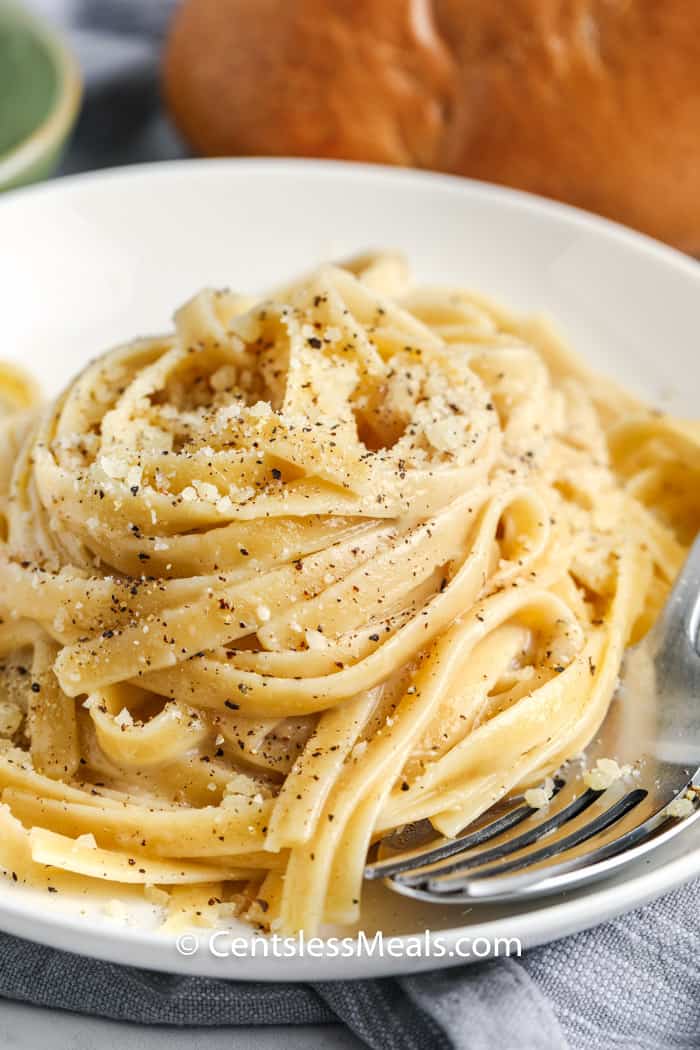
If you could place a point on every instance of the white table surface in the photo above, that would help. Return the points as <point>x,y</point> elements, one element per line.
<point>30,1028</point>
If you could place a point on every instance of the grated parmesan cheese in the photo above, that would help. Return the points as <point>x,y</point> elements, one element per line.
<point>605,773</point>
<point>680,808</point>
<point>315,640</point>
<point>538,798</point>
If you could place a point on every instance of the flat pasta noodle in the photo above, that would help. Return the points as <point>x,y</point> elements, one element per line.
<point>309,568</point>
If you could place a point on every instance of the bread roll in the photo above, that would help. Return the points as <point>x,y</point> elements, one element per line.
<point>594,102</point>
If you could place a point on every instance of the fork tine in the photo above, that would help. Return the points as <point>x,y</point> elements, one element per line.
<point>599,861</point>
<point>512,845</point>
<point>385,869</point>
<point>443,882</point>
<point>595,864</point>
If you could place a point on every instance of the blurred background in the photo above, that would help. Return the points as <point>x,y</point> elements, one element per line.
<point>593,102</point>
<point>117,44</point>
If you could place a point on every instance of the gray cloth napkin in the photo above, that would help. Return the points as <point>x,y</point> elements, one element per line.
<point>630,984</point>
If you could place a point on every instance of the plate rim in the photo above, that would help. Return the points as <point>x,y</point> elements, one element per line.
<point>506,195</point>
<point>150,949</point>
<point>133,946</point>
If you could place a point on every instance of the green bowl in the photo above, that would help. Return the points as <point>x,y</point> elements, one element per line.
<point>40,91</point>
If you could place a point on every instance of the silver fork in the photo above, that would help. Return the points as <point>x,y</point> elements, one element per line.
<point>514,851</point>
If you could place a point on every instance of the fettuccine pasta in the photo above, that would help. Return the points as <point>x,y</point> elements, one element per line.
<point>309,569</point>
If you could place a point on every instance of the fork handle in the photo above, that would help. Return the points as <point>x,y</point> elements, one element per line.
<point>679,623</point>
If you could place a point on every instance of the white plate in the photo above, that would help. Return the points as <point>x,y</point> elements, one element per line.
<point>90,261</point>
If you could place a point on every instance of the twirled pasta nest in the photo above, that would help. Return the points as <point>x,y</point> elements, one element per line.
<point>309,569</point>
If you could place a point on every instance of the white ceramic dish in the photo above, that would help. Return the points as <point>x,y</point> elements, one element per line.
<point>90,261</point>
